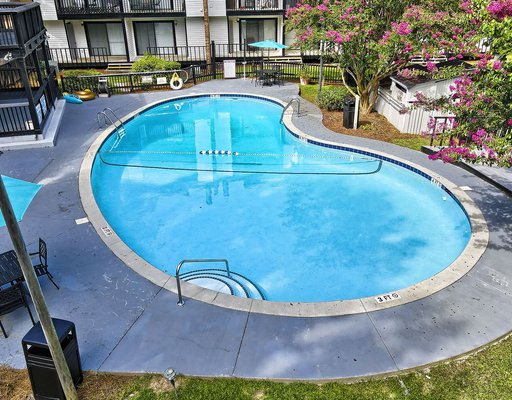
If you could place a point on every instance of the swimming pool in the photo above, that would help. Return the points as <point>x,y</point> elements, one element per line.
<point>305,223</point>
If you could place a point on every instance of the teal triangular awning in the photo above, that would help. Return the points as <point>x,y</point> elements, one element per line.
<point>20,194</point>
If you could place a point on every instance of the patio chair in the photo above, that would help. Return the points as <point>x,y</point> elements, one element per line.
<point>11,298</point>
<point>42,268</point>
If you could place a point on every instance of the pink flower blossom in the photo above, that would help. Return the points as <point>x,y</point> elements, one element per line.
<point>403,28</point>
<point>500,9</point>
<point>497,65</point>
<point>431,67</point>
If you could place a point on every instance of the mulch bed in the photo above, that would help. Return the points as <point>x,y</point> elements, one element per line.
<point>372,126</point>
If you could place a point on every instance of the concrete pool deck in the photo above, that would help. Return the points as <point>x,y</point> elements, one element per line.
<point>127,324</point>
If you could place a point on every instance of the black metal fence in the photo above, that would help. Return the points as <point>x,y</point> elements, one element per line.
<point>14,118</point>
<point>10,78</point>
<point>77,8</point>
<point>220,51</point>
<point>187,55</point>
<point>17,118</point>
<point>137,81</point>
<point>259,5</point>
<point>19,23</point>
<point>125,82</point>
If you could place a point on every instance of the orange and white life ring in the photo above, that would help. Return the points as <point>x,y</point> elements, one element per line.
<point>176,82</point>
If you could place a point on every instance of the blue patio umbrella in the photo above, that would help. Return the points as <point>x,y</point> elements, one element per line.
<point>20,194</point>
<point>268,44</point>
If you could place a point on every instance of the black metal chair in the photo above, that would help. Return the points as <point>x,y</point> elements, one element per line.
<point>42,268</point>
<point>11,298</point>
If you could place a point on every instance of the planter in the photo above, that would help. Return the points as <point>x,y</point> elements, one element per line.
<point>85,95</point>
<point>304,81</point>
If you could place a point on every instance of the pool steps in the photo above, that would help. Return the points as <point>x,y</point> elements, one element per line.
<point>237,284</point>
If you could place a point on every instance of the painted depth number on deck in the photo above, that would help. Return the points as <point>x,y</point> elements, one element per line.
<point>383,298</point>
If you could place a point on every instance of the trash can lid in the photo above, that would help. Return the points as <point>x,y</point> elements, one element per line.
<point>35,335</point>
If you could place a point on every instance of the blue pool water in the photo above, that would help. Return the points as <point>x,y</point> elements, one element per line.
<point>306,223</point>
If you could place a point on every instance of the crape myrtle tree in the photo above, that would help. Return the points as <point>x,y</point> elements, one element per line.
<point>372,39</point>
<point>481,101</point>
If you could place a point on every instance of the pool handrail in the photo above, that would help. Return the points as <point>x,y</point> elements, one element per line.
<point>200,260</point>
<point>297,99</point>
<point>106,117</point>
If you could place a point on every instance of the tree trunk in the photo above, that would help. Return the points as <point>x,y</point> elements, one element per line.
<point>207,40</point>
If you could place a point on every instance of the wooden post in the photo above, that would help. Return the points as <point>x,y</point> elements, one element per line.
<point>213,56</point>
<point>206,21</point>
<point>29,274</point>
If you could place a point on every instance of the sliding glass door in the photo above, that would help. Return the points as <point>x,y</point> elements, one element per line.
<point>153,34</point>
<point>257,30</point>
<point>108,35</point>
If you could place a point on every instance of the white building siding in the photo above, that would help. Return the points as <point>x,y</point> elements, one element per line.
<point>47,10</point>
<point>57,33</point>
<point>414,121</point>
<point>195,31</point>
<point>181,32</point>
<point>217,8</point>
<point>391,102</point>
<point>194,8</point>
<point>219,30</point>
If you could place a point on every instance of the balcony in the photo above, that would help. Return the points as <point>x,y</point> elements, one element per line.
<point>78,9</point>
<point>21,28</point>
<point>244,7</point>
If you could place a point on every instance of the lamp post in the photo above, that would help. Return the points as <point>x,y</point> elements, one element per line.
<point>170,375</point>
<point>321,73</point>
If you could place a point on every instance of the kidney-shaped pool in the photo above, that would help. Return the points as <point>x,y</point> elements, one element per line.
<point>221,177</point>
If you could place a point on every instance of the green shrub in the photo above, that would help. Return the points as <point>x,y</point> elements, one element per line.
<point>150,63</point>
<point>72,73</point>
<point>73,83</point>
<point>332,97</point>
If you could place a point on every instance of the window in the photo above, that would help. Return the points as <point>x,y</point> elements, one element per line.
<point>153,34</point>
<point>107,35</point>
<point>257,30</point>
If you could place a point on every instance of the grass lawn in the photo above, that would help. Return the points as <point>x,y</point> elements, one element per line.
<point>484,375</point>
<point>373,126</point>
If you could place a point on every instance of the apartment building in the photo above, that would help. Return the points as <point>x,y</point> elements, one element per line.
<point>126,29</point>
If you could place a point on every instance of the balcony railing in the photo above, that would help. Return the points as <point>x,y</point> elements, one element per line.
<point>247,6</point>
<point>84,57</point>
<point>100,8</point>
<point>17,118</point>
<point>19,24</point>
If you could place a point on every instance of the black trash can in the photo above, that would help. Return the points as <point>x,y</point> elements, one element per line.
<point>41,369</point>
<point>349,109</point>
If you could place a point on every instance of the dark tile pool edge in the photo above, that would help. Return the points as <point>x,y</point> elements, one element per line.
<point>463,264</point>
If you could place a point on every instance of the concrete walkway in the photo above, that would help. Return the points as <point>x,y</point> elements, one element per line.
<point>124,323</point>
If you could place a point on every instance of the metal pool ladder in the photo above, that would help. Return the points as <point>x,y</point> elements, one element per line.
<point>107,118</point>
<point>289,105</point>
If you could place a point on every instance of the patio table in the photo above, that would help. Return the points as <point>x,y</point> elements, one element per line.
<point>10,269</point>
<point>268,76</point>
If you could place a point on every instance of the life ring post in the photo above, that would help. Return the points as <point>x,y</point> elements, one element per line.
<point>176,82</point>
